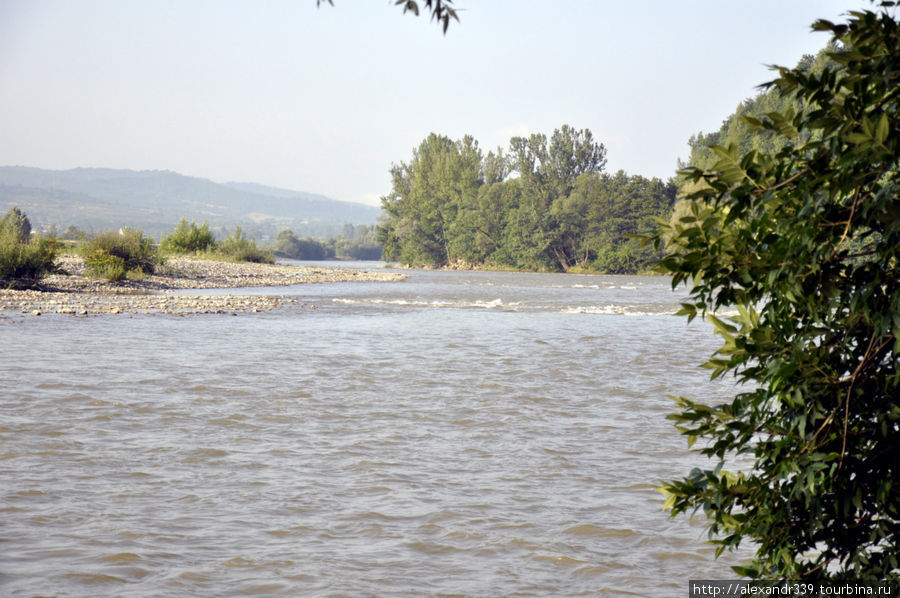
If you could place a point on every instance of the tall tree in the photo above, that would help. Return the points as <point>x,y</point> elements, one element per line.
<point>425,198</point>
<point>803,243</point>
<point>495,167</point>
<point>571,154</point>
<point>549,171</point>
<point>554,166</point>
<point>15,225</point>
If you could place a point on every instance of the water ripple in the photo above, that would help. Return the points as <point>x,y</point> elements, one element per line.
<point>363,449</point>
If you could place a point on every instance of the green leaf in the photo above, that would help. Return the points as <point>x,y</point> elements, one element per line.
<point>858,138</point>
<point>882,130</point>
<point>723,328</point>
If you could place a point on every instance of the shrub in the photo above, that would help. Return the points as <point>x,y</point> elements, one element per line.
<point>239,248</point>
<point>114,256</point>
<point>189,238</point>
<point>104,265</point>
<point>24,264</point>
<point>23,261</point>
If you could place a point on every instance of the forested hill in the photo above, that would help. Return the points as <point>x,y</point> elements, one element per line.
<point>545,204</point>
<point>154,201</point>
<point>737,129</point>
<point>739,132</point>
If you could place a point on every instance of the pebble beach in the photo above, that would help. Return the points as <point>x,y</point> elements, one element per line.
<point>71,292</point>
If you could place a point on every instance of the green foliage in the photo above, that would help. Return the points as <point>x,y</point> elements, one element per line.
<point>15,225</point>
<point>740,128</point>
<point>105,265</point>
<point>600,216</point>
<point>189,238</point>
<point>357,250</point>
<point>802,241</point>
<point>441,10</point>
<point>114,256</point>
<point>239,248</point>
<point>358,243</point>
<point>22,265</point>
<point>23,261</point>
<point>287,244</point>
<point>73,233</point>
<point>425,199</point>
<point>453,205</point>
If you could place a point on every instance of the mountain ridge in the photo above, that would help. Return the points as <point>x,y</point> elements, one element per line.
<point>155,200</point>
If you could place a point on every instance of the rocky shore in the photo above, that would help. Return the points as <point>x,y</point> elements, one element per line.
<point>71,292</point>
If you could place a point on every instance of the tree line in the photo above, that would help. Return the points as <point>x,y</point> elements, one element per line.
<point>545,204</point>
<point>357,242</point>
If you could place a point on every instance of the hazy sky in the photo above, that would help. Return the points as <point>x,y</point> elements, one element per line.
<point>325,100</point>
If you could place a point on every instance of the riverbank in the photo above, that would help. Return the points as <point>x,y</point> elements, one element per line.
<point>463,266</point>
<point>71,292</point>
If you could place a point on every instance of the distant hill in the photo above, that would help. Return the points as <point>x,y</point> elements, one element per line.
<point>154,201</point>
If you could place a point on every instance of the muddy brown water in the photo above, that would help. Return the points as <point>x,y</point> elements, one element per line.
<point>455,434</point>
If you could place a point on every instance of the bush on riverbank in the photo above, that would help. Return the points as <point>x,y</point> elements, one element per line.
<point>22,265</point>
<point>189,238</point>
<point>116,256</point>
<point>237,247</point>
<point>23,261</point>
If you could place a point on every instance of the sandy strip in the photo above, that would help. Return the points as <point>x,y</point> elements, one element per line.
<point>75,294</point>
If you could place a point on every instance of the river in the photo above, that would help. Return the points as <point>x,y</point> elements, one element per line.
<point>455,434</point>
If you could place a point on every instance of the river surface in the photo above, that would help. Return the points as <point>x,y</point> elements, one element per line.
<point>455,434</point>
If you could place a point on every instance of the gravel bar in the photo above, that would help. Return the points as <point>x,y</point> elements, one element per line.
<point>74,293</point>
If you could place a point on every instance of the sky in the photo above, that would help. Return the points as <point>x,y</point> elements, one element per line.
<point>325,100</point>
